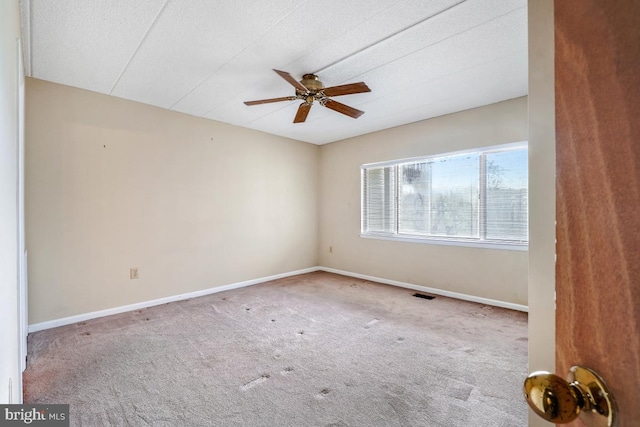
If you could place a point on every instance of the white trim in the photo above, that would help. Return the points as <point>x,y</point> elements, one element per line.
<point>456,295</point>
<point>116,310</point>
<point>484,244</point>
<point>122,309</point>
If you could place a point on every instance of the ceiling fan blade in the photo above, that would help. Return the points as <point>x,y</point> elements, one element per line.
<point>266,101</point>
<point>342,108</point>
<point>303,112</point>
<point>347,89</point>
<point>293,82</point>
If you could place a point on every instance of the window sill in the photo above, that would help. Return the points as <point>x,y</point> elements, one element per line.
<point>507,246</point>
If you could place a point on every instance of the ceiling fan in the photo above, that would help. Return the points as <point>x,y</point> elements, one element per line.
<point>311,89</point>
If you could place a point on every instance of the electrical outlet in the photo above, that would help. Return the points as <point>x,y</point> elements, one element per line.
<point>133,273</point>
<point>330,249</point>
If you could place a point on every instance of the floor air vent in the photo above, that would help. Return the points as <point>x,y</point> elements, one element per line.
<point>424,296</point>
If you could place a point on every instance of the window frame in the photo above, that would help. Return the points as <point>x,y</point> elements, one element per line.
<point>478,242</point>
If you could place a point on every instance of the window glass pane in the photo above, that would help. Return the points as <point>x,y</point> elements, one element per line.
<point>454,196</point>
<point>507,196</point>
<point>414,198</point>
<point>378,199</point>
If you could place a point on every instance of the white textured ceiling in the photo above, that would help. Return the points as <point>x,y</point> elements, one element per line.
<point>420,58</point>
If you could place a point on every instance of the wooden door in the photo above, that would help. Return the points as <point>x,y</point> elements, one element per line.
<point>597,77</point>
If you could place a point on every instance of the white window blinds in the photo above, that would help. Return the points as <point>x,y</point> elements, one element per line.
<point>379,199</point>
<point>507,196</point>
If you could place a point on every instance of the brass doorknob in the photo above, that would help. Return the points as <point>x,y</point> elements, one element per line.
<point>584,394</point>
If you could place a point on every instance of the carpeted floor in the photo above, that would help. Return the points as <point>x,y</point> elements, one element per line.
<point>313,350</point>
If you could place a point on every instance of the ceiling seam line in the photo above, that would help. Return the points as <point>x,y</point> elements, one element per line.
<point>370,46</point>
<point>403,56</point>
<point>349,56</point>
<point>232,58</point>
<point>422,84</point>
<point>389,37</point>
<point>299,58</point>
<point>431,81</point>
<point>442,40</point>
<point>361,104</point>
<point>135,52</point>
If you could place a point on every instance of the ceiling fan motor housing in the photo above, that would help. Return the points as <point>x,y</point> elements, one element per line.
<point>311,82</point>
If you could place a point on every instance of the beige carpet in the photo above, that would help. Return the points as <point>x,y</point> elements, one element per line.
<point>311,350</point>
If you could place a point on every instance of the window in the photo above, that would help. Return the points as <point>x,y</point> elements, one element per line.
<point>473,198</point>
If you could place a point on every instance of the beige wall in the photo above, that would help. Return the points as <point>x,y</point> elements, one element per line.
<point>10,373</point>
<point>192,203</point>
<point>488,273</point>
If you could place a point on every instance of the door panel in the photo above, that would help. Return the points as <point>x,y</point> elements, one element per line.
<point>597,76</point>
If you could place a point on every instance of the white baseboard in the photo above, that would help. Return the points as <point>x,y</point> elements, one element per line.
<point>101,313</point>
<point>137,306</point>
<point>465,297</point>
